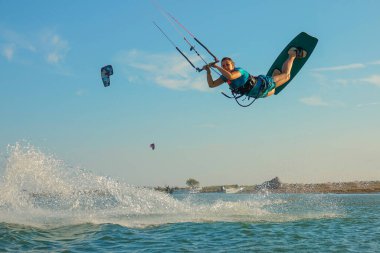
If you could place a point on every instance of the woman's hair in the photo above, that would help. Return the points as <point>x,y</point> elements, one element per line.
<point>227,58</point>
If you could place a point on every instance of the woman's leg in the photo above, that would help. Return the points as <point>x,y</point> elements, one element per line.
<point>271,93</point>
<point>284,76</point>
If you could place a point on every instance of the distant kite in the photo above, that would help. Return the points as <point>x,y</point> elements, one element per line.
<point>152,146</point>
<point>106,71</point>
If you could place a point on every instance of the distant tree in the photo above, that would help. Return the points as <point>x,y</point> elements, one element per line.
<point>192,183</point>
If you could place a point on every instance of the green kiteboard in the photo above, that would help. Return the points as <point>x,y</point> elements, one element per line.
<point>302,40</point>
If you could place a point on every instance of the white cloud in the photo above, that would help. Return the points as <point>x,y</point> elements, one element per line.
<point>171,71</point>
<point>343,82</point>
<point>313,101</point>
<point>53,58</point>
<point>17,40</point>
<point>55,47</point>
<point>342,67</point>
<point>374,79</point>
<point>368,104</point>
<point>48,44</point>
<point>8,52</point>
<point>79,93</point>
<point>347,67</point>
<point>375,62</point>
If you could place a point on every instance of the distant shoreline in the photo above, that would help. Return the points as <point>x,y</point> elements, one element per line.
<point>355,187</point>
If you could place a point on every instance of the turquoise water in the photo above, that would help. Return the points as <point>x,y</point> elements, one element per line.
<point>48,206</point>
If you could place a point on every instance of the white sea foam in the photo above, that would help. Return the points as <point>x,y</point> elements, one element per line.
<point>40,190</point>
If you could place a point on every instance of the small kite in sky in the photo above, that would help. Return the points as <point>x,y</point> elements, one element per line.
<point>106,71</point>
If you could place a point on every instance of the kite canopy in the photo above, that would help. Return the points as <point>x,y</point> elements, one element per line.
<point>106,71</point>
<point>152,146</point>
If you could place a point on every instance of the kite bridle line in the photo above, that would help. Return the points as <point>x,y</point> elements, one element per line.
<point>179,50</point>
<point>170,18</point>
<point>175,24</point>
<point>192,48</point>
<point>200,43</point>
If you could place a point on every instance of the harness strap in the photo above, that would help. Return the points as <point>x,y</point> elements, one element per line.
<point>246,88</point>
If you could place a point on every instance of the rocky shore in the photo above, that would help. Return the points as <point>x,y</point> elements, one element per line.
<point>276,186</point>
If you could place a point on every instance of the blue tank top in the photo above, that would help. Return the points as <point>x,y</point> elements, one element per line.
<point>238,82</point>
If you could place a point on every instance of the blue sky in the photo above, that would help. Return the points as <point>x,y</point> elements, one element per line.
<point>324,126</point>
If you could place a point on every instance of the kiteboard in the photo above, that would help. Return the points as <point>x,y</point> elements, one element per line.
<point>302,40</point>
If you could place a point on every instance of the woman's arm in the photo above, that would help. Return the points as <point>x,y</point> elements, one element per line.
<point>210,81</point>
<point>229,75</point>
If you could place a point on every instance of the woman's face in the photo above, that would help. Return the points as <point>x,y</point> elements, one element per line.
<point>228,65</point>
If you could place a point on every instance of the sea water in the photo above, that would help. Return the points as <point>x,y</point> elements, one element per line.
<point>47,206</point>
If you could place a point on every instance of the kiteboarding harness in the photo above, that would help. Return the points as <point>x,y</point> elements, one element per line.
<point>244,91</point>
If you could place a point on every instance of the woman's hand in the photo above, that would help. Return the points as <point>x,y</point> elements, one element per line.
<point>207,68</point>
<point>212,65</point>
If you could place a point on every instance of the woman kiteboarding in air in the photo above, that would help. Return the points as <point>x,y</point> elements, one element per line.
<point>241,82</point>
